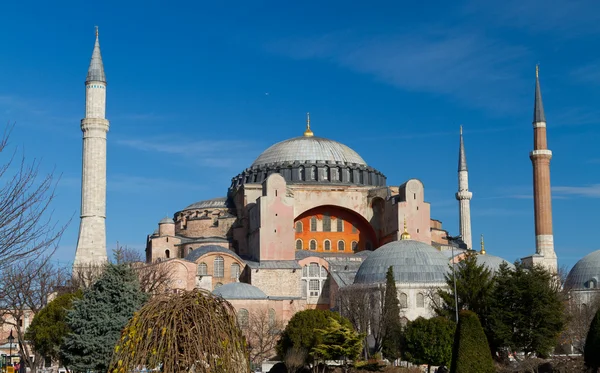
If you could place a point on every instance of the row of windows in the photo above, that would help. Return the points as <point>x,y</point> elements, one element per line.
<point>332,176</point>
<point>403,298</point>
<point>95,86</point>
<point>219,269</point>
<point>339,224</point>
<point>244,317</point>
<point>314,281</point>
<point>341,245</point>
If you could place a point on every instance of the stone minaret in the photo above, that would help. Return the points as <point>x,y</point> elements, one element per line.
<point>542,198</point>
<point>91,245</point>
<point>464,196</point>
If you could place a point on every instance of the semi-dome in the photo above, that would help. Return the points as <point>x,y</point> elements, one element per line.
<point>412,262</point>
<point>220,202</point>
<point>239,290</point>
<point>586,273</point>
<point>309,149</point>
<point>492,262</point>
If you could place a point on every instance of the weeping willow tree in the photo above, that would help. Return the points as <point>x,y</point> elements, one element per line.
<point>191,331</point>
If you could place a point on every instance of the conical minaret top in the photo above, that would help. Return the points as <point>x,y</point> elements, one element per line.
<point>538,106</point>
<point>96,69</point>
<point>464,195</point>
<point>462,158</point>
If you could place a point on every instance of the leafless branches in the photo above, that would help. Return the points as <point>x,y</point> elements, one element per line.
<point>262,333</point>
<point>155,278</point>
<point>294,359</point>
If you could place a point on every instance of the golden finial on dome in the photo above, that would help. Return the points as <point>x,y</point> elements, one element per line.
<point>308,132</point>
<point>405,235</point>
<point>482,246</point>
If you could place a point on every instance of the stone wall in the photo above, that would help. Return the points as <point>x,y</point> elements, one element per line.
<point>277,282</point>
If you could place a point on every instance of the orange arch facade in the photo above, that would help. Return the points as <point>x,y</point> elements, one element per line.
<point>333,229</point>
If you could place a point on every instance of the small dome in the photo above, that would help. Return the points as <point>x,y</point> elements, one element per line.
<point>239,290</point>
<point>206,249</point>
<point>412,262</point>
<point>305,148</point>
<point>166,220</point>
<point>492,262</point>
<point>585,273</point>
<point>220,202</point>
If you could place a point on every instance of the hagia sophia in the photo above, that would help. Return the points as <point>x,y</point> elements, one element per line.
<point>309,217</point>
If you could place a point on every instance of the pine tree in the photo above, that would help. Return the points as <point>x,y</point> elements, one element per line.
<point>592,345</point>
<point>97,319</point>
<point>471,353</point>
<point>338,342</point>
<point>392,336</point>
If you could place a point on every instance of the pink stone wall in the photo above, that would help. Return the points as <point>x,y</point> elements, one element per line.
<point>276,221</point>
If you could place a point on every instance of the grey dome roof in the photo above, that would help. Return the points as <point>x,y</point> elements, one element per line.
<point>239,290</point>
<point>166,220</point>
<point>412,261</point>
<point>305,148</point>
<point>492,262</point>
<point>197,253</point>
<point>585,272</point>
<point>220,202</point>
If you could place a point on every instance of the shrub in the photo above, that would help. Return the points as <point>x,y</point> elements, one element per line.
<point>471,352</point>
<point>592,344</point>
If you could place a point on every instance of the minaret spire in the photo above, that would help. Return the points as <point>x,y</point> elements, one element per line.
<point>308,132</point>
<point>542,196</point>
<point>482,252</point>
<point>91,244</point>
<point>464,195</point>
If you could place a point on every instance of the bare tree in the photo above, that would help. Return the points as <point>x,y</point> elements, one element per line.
<point>154,277</point>
<point>579,316</point>
<point>27,227</point>
<point>262,332</point>
<point>26,288</point>
<point>294,359</point>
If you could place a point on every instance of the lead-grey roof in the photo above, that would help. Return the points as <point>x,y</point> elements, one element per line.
<point>96,69</point>
<point>492,262</point>
<point>197,253</point>
<point>239,290</point>
<point>273,264</point>
<point>586,269</point>
<point>309,149</point>
<point>220,202</point>
<point>538,106</point>
<point>412,262</point>
<point>166,220</point>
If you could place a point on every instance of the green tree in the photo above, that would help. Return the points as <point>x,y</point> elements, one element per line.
<point>392,328</point>
<point>592,345</point>
<point>300,330</point>
<point>527,311</point>
<point>49,326</point>
<point>97,319</point>
<point>429,341</point>
<point>338,342</point>
<point>471,353</point>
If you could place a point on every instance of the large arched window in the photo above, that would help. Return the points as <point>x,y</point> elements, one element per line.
<point>235,271</point>
<point>202,269</point>
<point>403,298</point>
<point>314,282</point>
<point>420,300</point>
<point>299,227</point>
<point>313,244</point>
<point>341,245</point>
<point>313,224</point>
<point>272,317</point>
<point>313,270</point>
<point>326,245</point>
<point>326,223</point>
<point>354,246</point>
<point>167,254</point>
<point>243,318</point>
<point>219,267</point>
<point>298,244</point>
<point>340,224</point>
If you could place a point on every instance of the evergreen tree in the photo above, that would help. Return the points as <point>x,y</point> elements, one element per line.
<point>592,345</point>
<point>392,335</point>
<point>97,319</point>
<point>471,353</point>
<point>429,341</point>
<point>338,342</point>
<point>49,326</point>
<point>527,312</point>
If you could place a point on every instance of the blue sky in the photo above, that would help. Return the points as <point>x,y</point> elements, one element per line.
<point>196,90</point>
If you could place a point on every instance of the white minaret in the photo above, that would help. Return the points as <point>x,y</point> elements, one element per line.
<point>464,196</point>
<point>91,245</point>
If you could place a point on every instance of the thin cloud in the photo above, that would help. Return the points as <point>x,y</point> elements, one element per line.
<point>591,191</point>
<point>139,184</point>
<point>587,74</point>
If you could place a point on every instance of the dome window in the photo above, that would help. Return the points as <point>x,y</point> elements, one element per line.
<point>313,173</point>
<point>403,298</point>
<point>420,300</point>
<point>299,227</point>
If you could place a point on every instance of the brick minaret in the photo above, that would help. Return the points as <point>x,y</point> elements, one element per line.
<point>542,198</point>
<point>464,195</point>
<point>91,245</point>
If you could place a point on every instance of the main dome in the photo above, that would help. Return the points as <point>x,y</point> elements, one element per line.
<point>586,273</point>
<point>304,148</point>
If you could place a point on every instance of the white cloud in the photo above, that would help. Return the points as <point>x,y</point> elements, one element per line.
<point>591,191</point>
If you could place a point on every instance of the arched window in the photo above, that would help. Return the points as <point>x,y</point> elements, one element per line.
<point>326,222</point>
<point>202,269</point>
<point>298,244</point>
<point>351,175</point>
<point>340,224</point>
<point>339,174</point>
<point>420,300</point>
<point>327,173</point>
<point>313,270</point>
<point>313,224</point>
<point>341,245</point>
<point>219,267</point>
<point>299,227</point>
<point>313,173</point>
<point>167,254</point>
<point>327,245</point>
<point>323,272</point>
<point>313,244</point>
<point>235,271</point>
<point>361,177</point>
<point>354,246</point>
<point>403,298</point>
<point>301,173</point>
<point>305,271</point>
<point>243,318</point>
<point>272,317</point>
